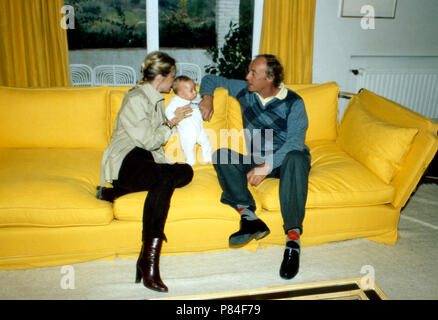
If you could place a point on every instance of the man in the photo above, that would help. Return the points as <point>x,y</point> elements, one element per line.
<point>275,122</point>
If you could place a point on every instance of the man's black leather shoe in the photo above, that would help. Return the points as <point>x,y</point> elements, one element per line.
<point>249,229</point>
<point>291,264</point>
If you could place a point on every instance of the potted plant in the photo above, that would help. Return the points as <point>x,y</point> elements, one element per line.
<point>232,60</point>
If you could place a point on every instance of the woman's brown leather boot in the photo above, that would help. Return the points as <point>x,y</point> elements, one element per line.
<point>148,265</point>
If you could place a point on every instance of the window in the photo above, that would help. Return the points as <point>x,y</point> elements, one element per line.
<point>233,52</point>
<point>108,24</point>
<point>187,23</point>
<point>187,29</point>
<point>182,23</point>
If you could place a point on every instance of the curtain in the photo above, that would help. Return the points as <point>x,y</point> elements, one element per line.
<point>33,45</point>
<point>287,32</point>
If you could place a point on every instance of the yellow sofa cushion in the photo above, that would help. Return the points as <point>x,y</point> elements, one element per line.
<point>115,103</point>
<point>200,199</point>
<point>424,146</point>
<point>51,188</point>
<point>235,134</point>
<point>53,118</point>
<point>214,128</point>
<point>335,180</point>
<point>394,112</point>
<point>321,102</point>
<point>377,144</point>
<point>225,127</point>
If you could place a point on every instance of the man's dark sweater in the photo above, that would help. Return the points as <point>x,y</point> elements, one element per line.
<point>272,129</point>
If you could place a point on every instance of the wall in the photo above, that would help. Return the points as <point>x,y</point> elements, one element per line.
<point>413,32</point>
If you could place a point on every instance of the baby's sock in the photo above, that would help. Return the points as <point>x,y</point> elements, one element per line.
<point>293,239</point>
<point>246,213</point>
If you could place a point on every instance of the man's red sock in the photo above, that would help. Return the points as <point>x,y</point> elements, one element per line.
<point>293,239</point>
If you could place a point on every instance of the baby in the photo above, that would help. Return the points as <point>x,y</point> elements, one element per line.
<point>191,129</point>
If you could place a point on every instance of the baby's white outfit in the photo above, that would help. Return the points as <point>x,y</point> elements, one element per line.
<point>190,130</point>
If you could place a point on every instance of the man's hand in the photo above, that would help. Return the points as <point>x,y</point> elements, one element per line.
<point>206,107</point>
<point>256,175</point>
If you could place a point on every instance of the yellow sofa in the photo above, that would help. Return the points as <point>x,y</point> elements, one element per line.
<point>52,140</point>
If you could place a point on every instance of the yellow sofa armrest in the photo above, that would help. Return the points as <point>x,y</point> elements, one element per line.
<point>424,145</point>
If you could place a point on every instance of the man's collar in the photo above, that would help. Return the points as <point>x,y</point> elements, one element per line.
<point>280,95</point>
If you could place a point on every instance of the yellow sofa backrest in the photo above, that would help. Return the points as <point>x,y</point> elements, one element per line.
<point>84,117</point>
<point>321,102</point>
<point>218,121</point>
<point>53,118</point>
<point>225,127</point>
<point>215,128</point>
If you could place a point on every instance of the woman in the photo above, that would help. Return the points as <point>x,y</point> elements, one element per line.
<point>135,159</point>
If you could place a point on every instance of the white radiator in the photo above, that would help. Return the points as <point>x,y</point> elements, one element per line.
<point>414,89</point>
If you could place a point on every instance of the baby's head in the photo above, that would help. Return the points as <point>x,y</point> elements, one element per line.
<point>185,88</point>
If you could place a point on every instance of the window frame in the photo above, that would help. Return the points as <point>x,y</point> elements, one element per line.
<point>153,34</point>
<point>152,26</point>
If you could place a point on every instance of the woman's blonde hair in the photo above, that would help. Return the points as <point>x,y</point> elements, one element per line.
<point>156,63</point>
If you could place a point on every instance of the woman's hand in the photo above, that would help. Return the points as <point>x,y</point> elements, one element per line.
<point>181,113</point>
<point>206,107</point>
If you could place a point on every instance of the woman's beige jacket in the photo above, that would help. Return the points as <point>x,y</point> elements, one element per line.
<point>139,123</point>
